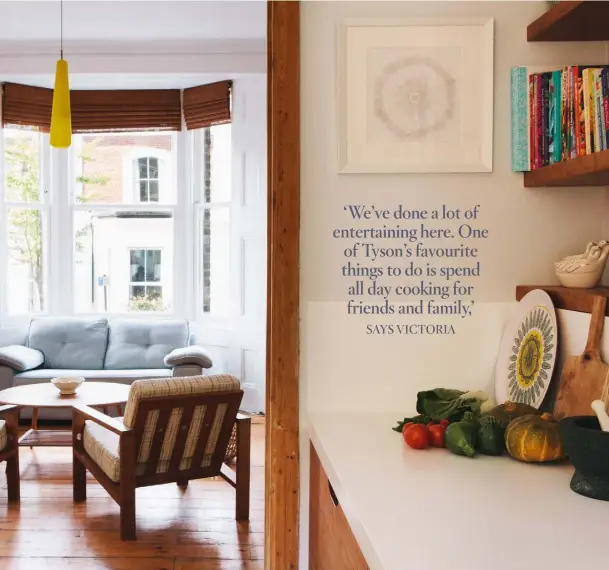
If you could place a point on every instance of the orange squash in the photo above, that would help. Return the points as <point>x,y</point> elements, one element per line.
<point>534,439</point>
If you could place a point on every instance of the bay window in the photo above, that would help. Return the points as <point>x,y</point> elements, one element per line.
<point>107,226</point>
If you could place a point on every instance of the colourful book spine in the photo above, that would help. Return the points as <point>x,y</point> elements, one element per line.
<point>520,122</point>
<point>600,116</point>
<point>580,120</point>
<point>532,122</point>
<point>539,119</point>
<point>557,81</point>
<point>587,123</point>
<point>605,90</point>
<point>571,114</point>
<point>552,140</point>
<point>563,113</point>
<point>545,155</point>
<point>591,110</point>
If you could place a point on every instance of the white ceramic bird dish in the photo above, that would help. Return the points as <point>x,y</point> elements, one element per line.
<point>583,271</point>
<point>67,386</point>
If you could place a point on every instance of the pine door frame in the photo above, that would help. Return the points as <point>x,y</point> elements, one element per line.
<point>282,401</point>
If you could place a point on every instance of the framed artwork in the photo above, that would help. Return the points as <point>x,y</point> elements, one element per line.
<point>415,96</point>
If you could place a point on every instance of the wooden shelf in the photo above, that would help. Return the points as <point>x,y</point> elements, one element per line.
<point>589,170</point>
<point>567,298</point>
<point>572,22</point>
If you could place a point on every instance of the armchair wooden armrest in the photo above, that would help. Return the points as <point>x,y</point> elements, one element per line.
<point>10,453</point>
<point>82,413</point>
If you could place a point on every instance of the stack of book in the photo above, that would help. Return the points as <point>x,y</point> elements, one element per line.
<point>558,115</point>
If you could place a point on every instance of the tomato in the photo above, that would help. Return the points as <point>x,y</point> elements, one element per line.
<point>405,428</point>
<point>444,423</point>
<point>417,436</point>
<point>436,434</point>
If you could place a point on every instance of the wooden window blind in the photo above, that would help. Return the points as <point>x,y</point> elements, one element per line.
<point>122,110</point>
<point>135,110</point>
<point>26,106</point>
<point>207,105</point>
<point>95,111</point>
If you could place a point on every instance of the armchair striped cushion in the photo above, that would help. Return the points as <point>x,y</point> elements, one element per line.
<point>103,445</point>
<point>3,435</point>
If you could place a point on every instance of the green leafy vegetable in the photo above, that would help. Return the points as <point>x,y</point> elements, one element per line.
<point>420,419</point>
<point>461,437</point>
<point>443,404</point>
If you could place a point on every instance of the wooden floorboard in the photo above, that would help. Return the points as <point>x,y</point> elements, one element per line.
<point>193,529</point>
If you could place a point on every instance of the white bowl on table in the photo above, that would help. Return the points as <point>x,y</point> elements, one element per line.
<point>66,385</point>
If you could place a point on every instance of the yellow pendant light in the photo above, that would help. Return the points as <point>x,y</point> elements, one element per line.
<point>61,115</point>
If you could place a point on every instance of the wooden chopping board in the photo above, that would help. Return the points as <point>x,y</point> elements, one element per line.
<point>583,377</point>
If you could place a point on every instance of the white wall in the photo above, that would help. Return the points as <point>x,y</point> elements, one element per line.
<point>342,369</point>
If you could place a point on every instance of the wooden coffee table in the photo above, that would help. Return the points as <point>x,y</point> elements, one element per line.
<point>45,395</point>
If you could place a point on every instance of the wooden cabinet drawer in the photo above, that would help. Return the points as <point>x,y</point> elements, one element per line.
<point>332,545</point>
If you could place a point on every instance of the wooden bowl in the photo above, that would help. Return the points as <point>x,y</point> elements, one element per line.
<point>588,448</point>
<point>67,386</point>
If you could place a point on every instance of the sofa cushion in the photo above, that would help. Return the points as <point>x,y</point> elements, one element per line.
<point>143,344</point>
<point>14,336</point>
<point>20,358</point>
<point>121,376</point>
<point>70,342</point>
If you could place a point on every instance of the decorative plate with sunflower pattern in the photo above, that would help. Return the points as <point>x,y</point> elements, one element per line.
<point>528,351</point>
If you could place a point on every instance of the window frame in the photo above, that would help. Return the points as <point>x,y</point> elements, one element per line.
<point>160,283</point>
<point>59,203</point>
<point>131,194</point>
<point>200,208</point>
<point>43,205</point>
<point>148,180</point>
<point>127,206</point>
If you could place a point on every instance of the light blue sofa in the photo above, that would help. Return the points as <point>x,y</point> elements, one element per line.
<point>121,350</point>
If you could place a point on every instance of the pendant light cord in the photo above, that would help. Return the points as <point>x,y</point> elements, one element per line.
<point>61,26</point>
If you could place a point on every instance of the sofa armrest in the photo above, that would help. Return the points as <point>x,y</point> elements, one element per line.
<point>196,355</point>
<point>20,358</point>
<point>6,377</point>
<point>182,370</point>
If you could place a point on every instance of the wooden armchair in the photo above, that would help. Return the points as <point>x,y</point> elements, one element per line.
<point>174,430</point>
<point>9,449</point>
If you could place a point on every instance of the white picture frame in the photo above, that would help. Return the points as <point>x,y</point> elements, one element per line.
<point>415,96</point>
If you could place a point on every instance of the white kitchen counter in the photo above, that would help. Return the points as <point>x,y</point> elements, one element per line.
<point>432,510</point>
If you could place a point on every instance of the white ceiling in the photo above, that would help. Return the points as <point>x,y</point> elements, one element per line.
<point>138,21</point>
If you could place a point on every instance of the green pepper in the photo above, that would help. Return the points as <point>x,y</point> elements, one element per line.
<point>461,437</point>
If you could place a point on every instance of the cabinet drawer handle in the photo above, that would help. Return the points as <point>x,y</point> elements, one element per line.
<point>333,494</point>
